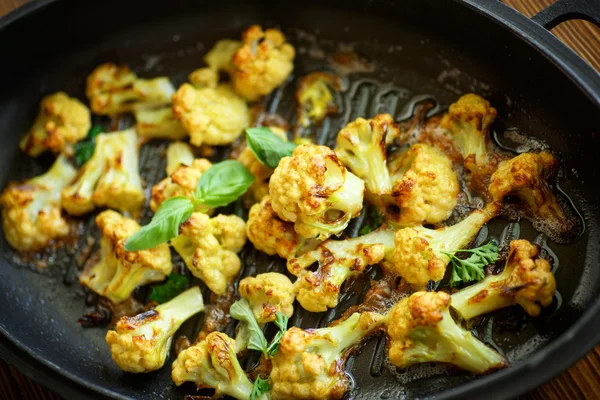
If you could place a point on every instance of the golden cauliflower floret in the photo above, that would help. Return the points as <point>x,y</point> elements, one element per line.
<point>425,187</point>
<point>212,363</point>
<point>119,272</point>
<point>527,280</point>
<point>114,89</point>
<point>268,294</point>
<point>141,343</point>
<point>315,191</point>
<point>110,178</point>
<point>159,124</point>
<point>219,58</point>
<point>315,97</point>
<point>310,363</point>
<point>260,188</point>
<point>209,247</point>
<point>468,121</point>
<point>269,234</point>
<point>526,176</point>
<point>214,116</point>
<point>264,62</point>
<point>421,330</point>
<point>62,121</point>
<point>182,182</point>
<point>31,211</point>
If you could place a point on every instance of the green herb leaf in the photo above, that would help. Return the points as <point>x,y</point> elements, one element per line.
<point>267,146</point>
<point>223,183</point>
<point>164,225</point>
<point>472,268</point>
<point>260,387</point>
<point>281,321</point>
<point>175,284</point>
<point>375,221</point>
<point>84,150</point>
<point>241,311</point>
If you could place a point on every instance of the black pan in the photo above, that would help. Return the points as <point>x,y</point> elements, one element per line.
<point>421,48</point>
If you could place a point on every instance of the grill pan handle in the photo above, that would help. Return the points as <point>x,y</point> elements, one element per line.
<point>564,10</point>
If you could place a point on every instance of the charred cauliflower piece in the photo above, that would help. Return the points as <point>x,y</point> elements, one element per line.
<point>62,121</point>
<point>114,89</point>
<point>526,177</point>
<point>420,330</point>
<point>141,343</point>
<point>309,363</point>
<point>271,235</point>
<point>213,116</point>
<point>316,192</point>
<point>181,182</point>
<point>361,146</point>
<point>31,212</point>
<point>209,247</point>
<point>178,154</point>
<point>219,58</point>
<point>339,260</point>
<point>264,62</point>
<point>315,97</point>
<point>425,187</point>
<point>119,272</point>
<point>159,124</point>
<point>262,173</point>
<point>110,178</point>
<point>268,294</point>
<point>527,280</point>
<point>468,121</point>
<point>418,254</point>
<point>212,363</point>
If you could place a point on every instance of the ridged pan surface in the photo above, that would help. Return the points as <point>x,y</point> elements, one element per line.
<point>399,73</point>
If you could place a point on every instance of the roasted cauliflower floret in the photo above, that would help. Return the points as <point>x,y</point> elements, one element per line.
<point>468,121</point>
<point>212,363</point>
<point>268,294</point>
<point>526,177</point>
<point>315,98</point>
<point>271,235</point>
<point>214,116</point>
<point>418,254</point>
<point>114,89</point>
<point>527,280</point>
<point>119,272</point>
<point>264,62</point>
<point>361,146</point>
<point>181,182</point>
<point>209,246</point>
<point>219,58</point>
<point>178,154</point>
<point>339,260</point>
<point>309,363</point>
<point>111,178</point>
<point>420,330</point>
<point>262,173</point>
<point>62,121</point>
<point>425,187</point>
<point>315,191</point>
<point>159,124</point>
<point>31,212</point>
<point>141,343</point>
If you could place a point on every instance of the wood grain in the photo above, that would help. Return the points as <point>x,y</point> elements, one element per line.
<point>582,381</point>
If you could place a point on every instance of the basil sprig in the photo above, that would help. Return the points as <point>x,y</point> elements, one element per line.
<point>267,146</point>
<point>220,185</point>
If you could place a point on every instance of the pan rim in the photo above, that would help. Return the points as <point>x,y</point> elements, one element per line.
<point>565,350</point>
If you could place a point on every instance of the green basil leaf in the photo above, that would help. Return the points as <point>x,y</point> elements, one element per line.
<point>175,284</point>
<point>241,311</point>
<point>223,183</point>
<point>84,150</point>
<point>268,148</point>
<point>164,225</point>
<point>282,322</point>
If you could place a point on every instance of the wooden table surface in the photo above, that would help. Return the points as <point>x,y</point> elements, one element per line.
<point>582,381</point>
